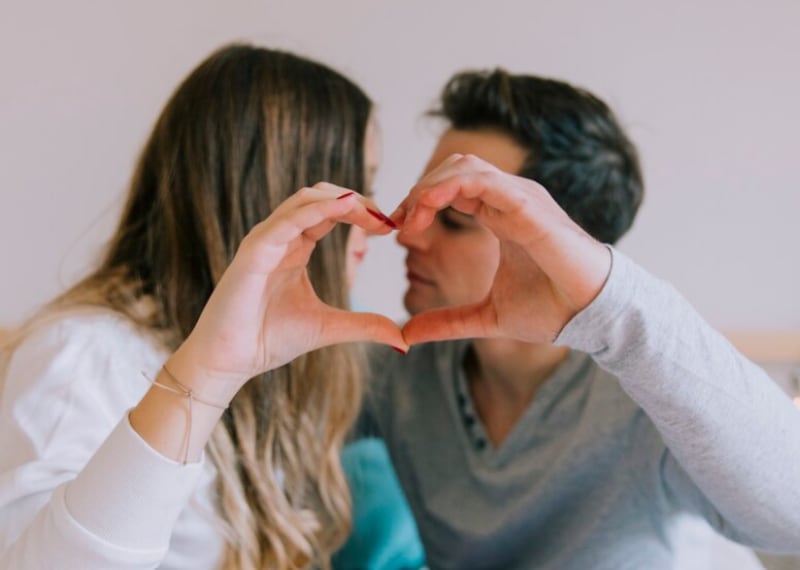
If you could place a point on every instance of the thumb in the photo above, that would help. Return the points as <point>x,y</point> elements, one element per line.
<point>468,321</point>
<point>340,326</point>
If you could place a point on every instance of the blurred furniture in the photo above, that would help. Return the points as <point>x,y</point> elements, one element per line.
<point>778,352</point>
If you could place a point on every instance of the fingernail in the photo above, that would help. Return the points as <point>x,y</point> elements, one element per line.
<point>400,350</point>
<point>398,214</point>
<point>382,217</point>
<point>345,195</point>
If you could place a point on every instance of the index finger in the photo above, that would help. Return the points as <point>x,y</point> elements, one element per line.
<point>310,220</point>
<point>399,214</point>
<point>469,185</point>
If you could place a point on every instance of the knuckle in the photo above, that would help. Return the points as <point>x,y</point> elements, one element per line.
<point>305,192</point>
<point>471,160</point>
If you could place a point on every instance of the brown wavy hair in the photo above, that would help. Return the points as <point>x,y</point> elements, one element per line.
<point>246,129</point>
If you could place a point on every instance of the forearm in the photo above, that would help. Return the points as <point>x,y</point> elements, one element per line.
<point>171,421</point>
<point>730,427</point>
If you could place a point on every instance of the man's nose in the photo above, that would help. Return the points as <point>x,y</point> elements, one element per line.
<point>418,240</point>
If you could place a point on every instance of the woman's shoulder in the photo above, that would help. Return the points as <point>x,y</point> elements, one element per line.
<point>82,331</point>
<point>86,348</point>
<point>80,321</point>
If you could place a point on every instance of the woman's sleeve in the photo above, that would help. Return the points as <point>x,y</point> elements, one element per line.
<point>733,437</point>
<point>78,487</point>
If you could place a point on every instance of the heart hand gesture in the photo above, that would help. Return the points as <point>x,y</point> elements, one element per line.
<point>264,311</point>
<point>549,267</point>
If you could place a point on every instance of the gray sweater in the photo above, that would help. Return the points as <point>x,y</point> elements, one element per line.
<point>652,415</point>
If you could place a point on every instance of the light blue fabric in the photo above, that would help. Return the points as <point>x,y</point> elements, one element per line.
<point>384,534</point>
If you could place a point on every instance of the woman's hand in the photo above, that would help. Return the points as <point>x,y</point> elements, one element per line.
<point>264,311</point>
<point>549,267</point>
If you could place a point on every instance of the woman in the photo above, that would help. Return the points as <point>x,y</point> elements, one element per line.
<point>84,483</point>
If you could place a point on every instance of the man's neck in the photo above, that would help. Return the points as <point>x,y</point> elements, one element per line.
<point>504,376</point>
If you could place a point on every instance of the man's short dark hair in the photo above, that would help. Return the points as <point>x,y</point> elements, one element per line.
<point>577,149</point>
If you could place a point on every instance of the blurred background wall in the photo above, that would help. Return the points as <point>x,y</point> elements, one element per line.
<point>707,89</point>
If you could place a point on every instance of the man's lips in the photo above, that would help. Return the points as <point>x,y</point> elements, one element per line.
<point>414,277</point>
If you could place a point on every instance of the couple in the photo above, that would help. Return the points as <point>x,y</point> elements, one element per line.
<point>185,405</point>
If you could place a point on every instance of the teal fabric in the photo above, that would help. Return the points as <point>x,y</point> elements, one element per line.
<point>384,534</point>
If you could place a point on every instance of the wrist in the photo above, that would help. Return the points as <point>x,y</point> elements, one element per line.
<point>174,425</point>
<point>207,384</point>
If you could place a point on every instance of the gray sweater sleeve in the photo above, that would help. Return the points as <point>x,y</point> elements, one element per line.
<point>733,432</point>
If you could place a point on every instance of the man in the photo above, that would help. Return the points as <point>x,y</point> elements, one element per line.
<point>592,406</point>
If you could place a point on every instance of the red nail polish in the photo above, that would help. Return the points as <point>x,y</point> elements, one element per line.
<point>400,350</point>
<point>389,222</point>
<point>385,219</point>
<point>345,195</point>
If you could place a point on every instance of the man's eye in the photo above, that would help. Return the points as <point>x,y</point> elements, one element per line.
<point>449,222</point>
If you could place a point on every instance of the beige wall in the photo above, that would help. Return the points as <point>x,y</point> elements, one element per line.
<point>708,90</point>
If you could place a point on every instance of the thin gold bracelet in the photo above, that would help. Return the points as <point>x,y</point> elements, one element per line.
<point>188,393</point>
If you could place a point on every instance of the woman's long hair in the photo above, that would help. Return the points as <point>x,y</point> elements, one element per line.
<point>246,129</point>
